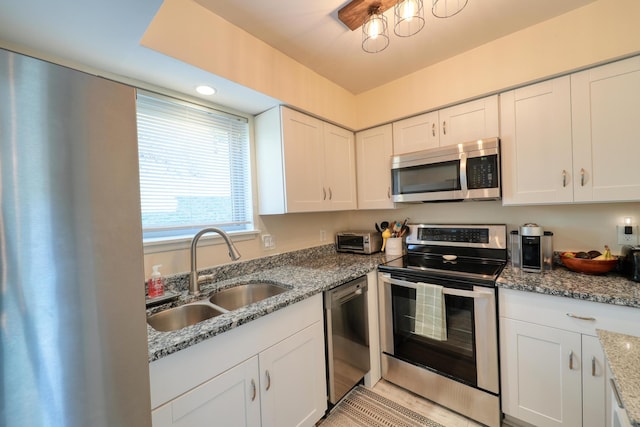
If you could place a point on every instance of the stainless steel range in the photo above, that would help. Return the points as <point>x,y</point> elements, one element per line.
<point>438,314</point>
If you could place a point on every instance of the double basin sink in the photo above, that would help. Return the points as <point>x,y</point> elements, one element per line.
<point>223,301</point>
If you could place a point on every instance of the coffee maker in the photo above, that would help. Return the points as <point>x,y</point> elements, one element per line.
<point>532,248</point>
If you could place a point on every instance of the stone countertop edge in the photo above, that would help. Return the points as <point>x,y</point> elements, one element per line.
<point>623,354</point>
<point>611,288</point>
<point>305,272</point>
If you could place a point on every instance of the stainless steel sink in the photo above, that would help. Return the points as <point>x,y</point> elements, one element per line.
<point>245,294</point>
<point>181,317</point>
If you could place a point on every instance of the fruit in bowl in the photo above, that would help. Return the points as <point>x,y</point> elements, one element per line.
<point>592,262</point>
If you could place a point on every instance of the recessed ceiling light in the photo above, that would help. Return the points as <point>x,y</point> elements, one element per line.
<point>205,90</point>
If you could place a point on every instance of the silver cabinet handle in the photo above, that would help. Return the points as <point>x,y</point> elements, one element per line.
<point>581,317</point>
<point>324,194</point>
<point>582,177</point>
<point>616,393</point>
<point>433,129</point>
<point>266,374</point>
<point>564,178</point>
<point>571,360</point>
<point>593,366</point>
<point>388,192</point>
<point>330,194</point>
<point>253,388</point>
<point>444,127</point>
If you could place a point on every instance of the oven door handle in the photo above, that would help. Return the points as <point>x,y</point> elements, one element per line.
<point>447,291</point>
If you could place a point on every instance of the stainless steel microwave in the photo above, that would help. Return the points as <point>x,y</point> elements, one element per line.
<point>469,171</point>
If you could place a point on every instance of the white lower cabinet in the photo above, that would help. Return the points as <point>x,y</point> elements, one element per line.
<point>553,369</point>
<point>269,372</point>
<point>230,399</point>
<point>543,373</point>
<point>292,391</point>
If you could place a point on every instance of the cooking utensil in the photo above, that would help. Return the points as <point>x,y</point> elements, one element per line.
<point>385,235</point>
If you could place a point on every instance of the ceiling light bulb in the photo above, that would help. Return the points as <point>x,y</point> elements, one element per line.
<point>205,90</point>
<point>409,10</point>
<point>409,17</point>
<point>375,36</point>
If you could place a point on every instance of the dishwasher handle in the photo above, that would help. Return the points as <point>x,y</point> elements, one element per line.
<point>345,293</point>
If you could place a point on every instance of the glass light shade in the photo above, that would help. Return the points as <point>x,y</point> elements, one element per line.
<point>409,17</point>
<point>447,8</point>
<point>375,33</point>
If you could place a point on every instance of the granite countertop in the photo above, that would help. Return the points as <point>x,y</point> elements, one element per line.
<point>610,288</point>
<point>623,355</point>
<point>305,273</point>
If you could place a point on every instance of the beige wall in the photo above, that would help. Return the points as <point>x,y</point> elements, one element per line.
<point>599,32</point>
<point>187,31</point>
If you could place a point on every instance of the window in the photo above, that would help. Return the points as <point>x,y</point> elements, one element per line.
<point>194,168</point>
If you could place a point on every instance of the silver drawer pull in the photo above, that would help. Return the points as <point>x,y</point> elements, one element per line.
<point>268,380</point>
<point>564,178</point>
<point>571,360</point>
<point>593,366</point>
<point>575,316</point>
<point>616,393</point>
<point>253,388</point>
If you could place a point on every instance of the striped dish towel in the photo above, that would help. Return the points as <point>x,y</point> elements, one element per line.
<point>431,317</point>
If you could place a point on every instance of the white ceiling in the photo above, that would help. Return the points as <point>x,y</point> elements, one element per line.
<point>99,35</point>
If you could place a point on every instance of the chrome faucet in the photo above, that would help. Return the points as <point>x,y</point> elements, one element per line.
<point>194,286</point>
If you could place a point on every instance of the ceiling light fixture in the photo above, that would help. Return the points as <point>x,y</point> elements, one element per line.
<point>375,31</point>
<point>447,8</point>
<point>205,90</point>
<point>409,17</point>
<point>408,14</point>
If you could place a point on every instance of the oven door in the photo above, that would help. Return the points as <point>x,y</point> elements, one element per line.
<point>470,352</point>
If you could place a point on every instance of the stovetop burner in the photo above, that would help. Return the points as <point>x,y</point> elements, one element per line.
<point>475,253</point>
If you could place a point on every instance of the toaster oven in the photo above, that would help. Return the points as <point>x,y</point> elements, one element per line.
<point>359,242</point>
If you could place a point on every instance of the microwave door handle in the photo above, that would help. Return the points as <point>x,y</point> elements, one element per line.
<point>463,174</point>
<point>447,291</point>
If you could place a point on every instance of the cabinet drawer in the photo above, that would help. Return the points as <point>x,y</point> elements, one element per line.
<point>567,313</point>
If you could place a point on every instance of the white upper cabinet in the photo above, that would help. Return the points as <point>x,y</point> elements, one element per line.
<point>535,134</point>
<point>453,125</point>
<point>374,148</point>
<point>416,133</point>
<point>606,132</point>
<point>303,164</point>
<point>469,121</point>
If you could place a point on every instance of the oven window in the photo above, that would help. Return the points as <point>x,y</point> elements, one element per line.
<point>429,178</point>
<point>454,357</point>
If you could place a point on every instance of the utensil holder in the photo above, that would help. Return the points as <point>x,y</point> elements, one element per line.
<point>394,246</point>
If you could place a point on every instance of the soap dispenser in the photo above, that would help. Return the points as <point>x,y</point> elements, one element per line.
<point>156,283</point>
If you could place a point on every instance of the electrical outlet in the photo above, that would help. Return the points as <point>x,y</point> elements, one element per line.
<point>323,235</point>
<point>627,239</point>
<point>268,241</point>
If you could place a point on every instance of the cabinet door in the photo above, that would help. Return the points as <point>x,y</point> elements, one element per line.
<point>304,161</point>
<point>541,374</point>
<point>373,166</point>
<point>594,385</point>
<point>293,384</point>
<point>606,131</point>
<point>230,399</point>
<point>416,133</point>
<point>339,188</point>
<point>535,133</point>
<point>469,121</point>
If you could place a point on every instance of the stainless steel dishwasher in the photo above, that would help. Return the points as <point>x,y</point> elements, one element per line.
<point>347,331</point>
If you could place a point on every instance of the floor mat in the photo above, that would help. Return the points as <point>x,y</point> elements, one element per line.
<point>363,407</point>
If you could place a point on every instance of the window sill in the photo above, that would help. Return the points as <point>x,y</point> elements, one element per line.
<point>168,244</point>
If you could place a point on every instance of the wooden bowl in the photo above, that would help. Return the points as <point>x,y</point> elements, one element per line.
<point>589,266</point>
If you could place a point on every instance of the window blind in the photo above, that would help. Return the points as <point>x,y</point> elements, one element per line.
<point>194,168</point>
